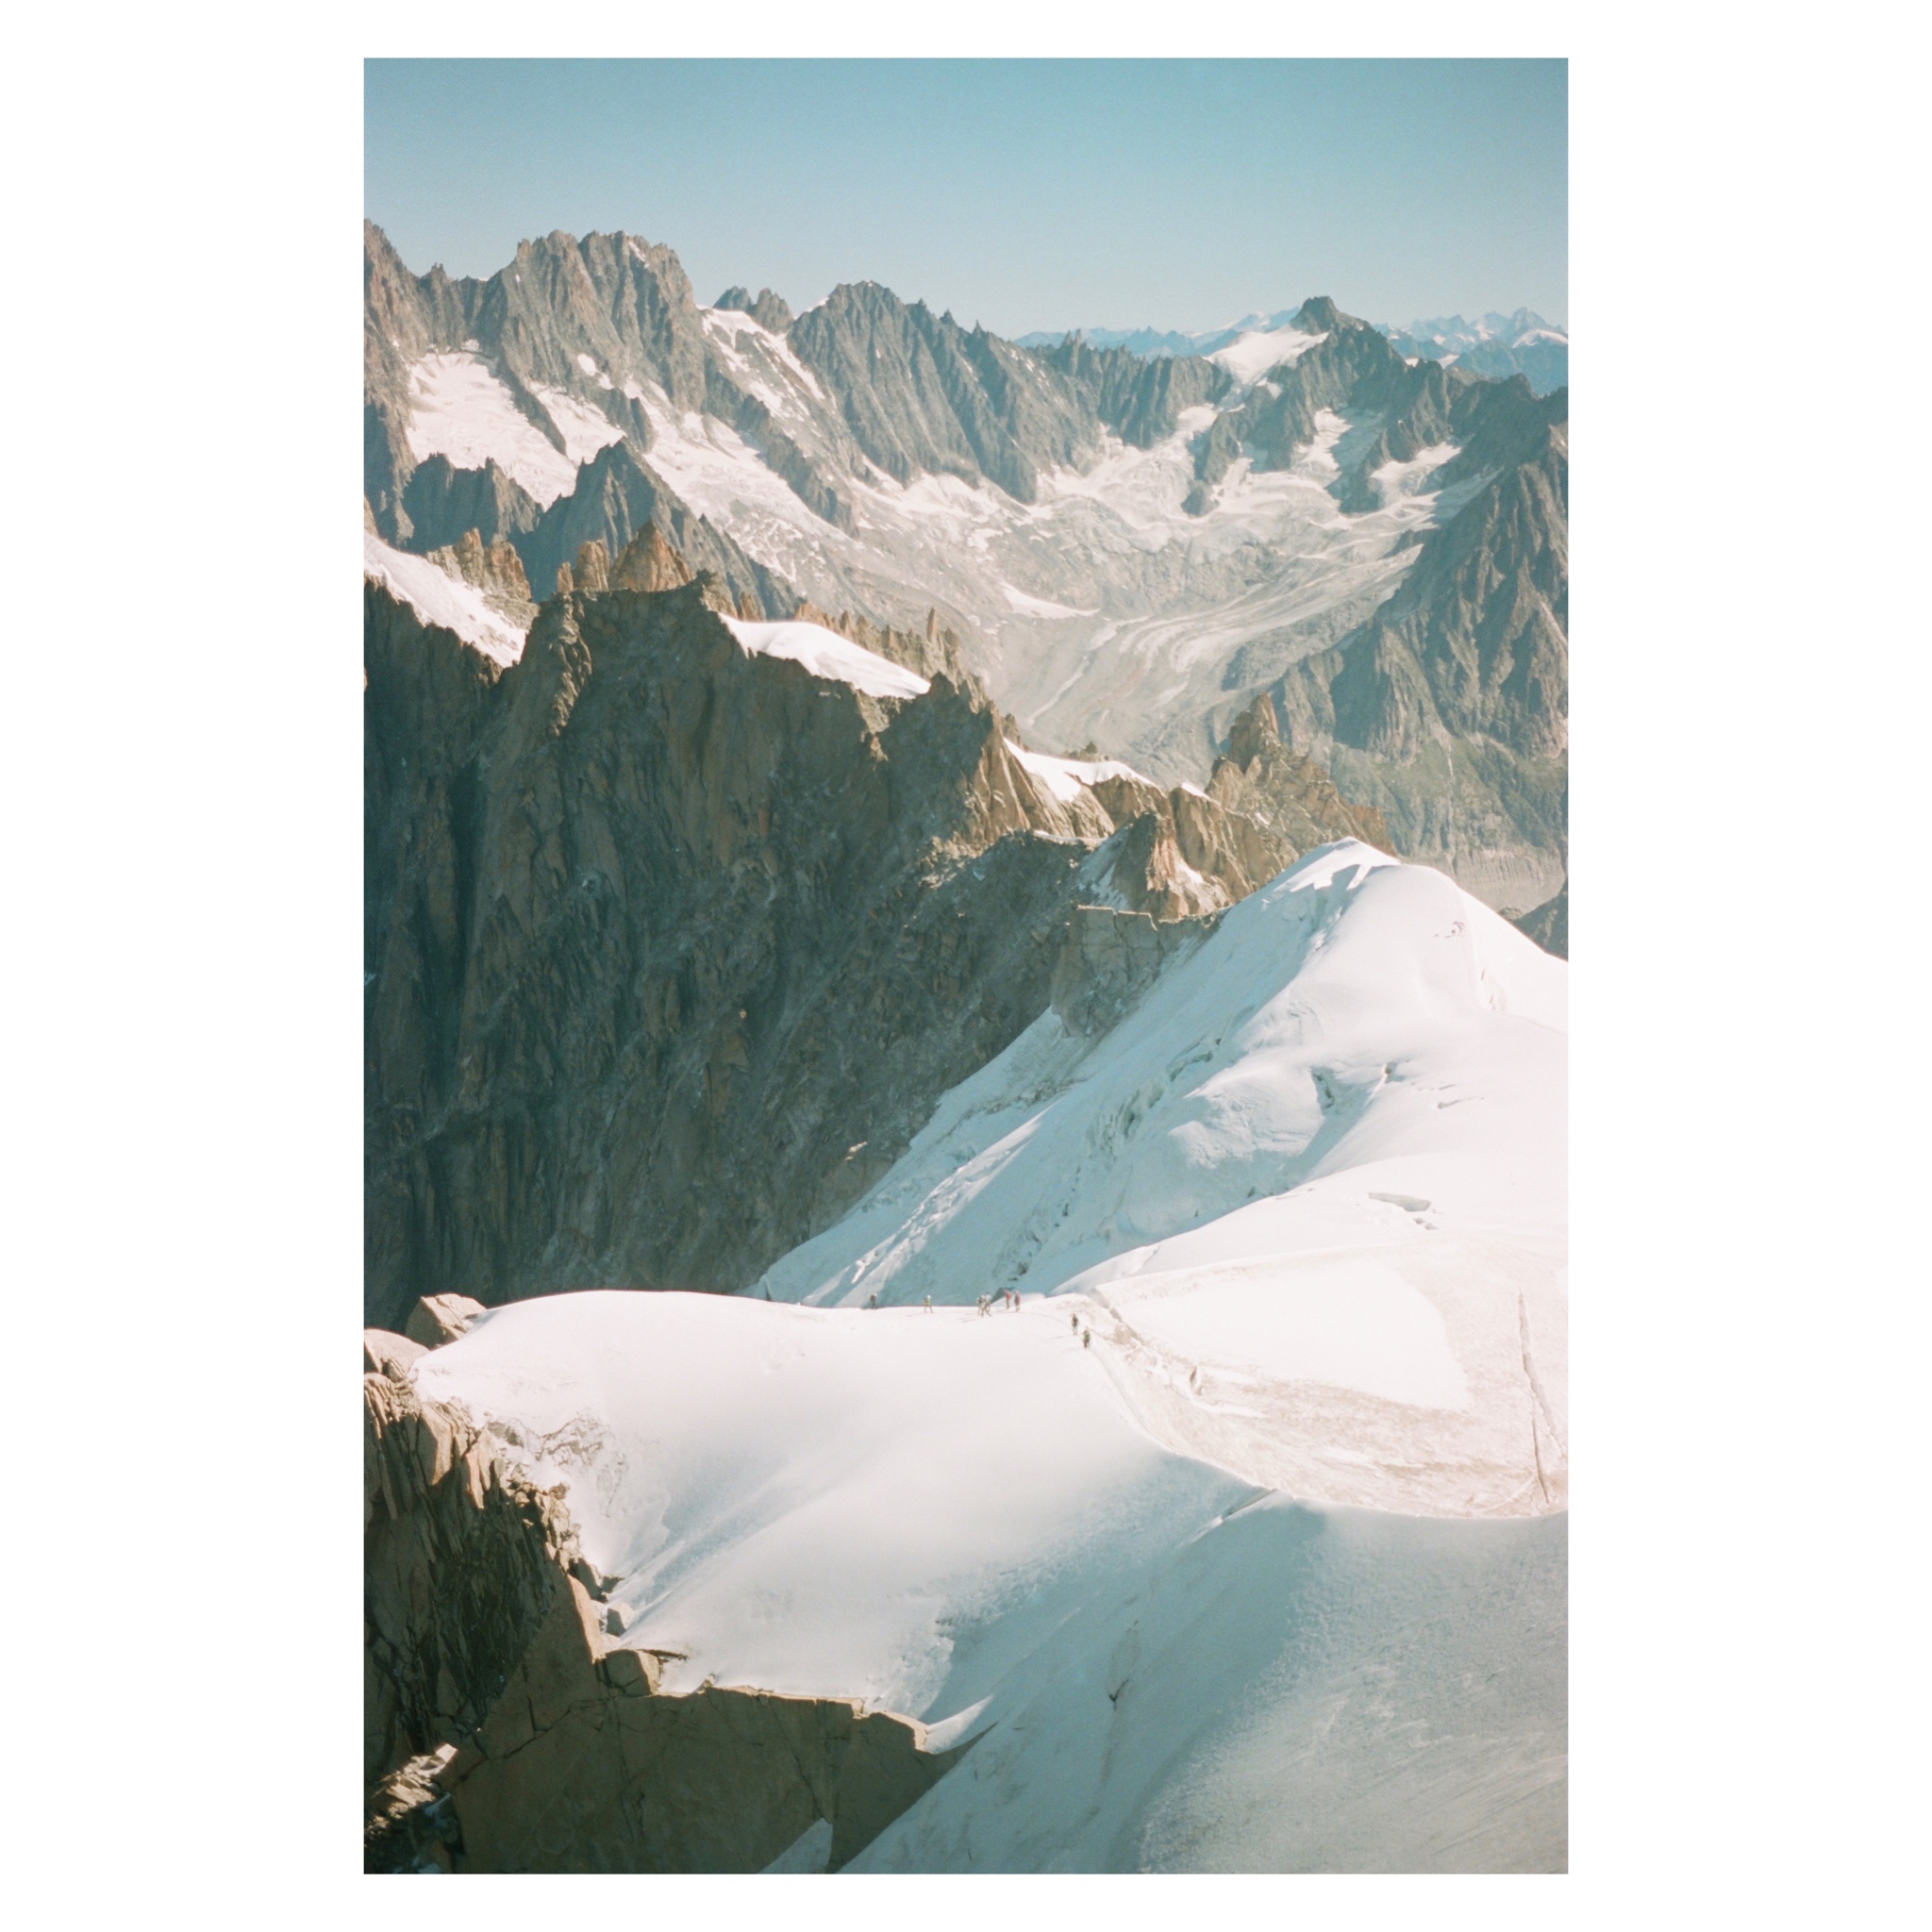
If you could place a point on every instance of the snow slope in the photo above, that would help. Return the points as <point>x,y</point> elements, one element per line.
<point>1312,1193</point>
<point>1254,352</point>
<point>438,598</point>
<point>459,407</point>
<point>1066,778</point>
<point>1302,1216</point>
<point>825,653</point>
<point>956,1517</point>
<point>1103,609</point>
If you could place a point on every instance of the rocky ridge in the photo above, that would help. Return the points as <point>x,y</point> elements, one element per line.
<point>1444,704</point>
<point>671,947</point>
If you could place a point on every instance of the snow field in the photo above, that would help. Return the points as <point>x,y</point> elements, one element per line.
<point>1252,354</point>
<point>1315,1188</point>
<point>825,653</point>
<point>949,1515</point>
<point>439,598</point>
<point>461,409</point>
<point>1301,1223</point>
<point>830,1502</point>
<point>1077,645</point>
<point>1066,778</point>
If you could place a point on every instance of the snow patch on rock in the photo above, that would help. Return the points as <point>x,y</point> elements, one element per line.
<point>439,598</point>
<point>459,407</point>
<point>825,653</point>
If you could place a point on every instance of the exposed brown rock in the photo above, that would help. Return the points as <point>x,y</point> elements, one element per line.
<point>458,1557</point>
<point>493,567</point>
<point>385,1354</point>
<point>439,1318</point>
<point>592,572</point>
<point>1287,794</point>
<point>649,564</point>
<point>410,1823</point>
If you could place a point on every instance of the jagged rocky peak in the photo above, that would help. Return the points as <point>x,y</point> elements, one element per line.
<point>1319,315</point>
<point>648,562</point>
<point>592,570</point>
<point>493,567</point>
<point>1253,731</point>
<point>769,310</point>
<point>1266,779</point>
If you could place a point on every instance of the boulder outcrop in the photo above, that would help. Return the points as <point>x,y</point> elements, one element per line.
<point>439,1318</point>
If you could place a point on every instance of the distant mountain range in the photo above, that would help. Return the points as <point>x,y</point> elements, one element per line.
<point>1130,548</point>
<point>865,821</point>
<point>1494,345</point>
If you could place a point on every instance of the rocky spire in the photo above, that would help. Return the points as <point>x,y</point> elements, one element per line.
<point>648,563</point>
<point>1254,729</point>
<point>594,566</point>
<point>770,310</point>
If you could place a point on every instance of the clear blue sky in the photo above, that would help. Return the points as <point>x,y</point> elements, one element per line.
<point>1023,194</point>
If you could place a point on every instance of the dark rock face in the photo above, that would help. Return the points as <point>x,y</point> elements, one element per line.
<point>1549,924</point>
<point>616,497</point>
<point>920,393</point>
<point>672,949</point>
<point>459,1558</point>
<point>1448,708</point>
<point>664,939</point>
<point>768,311</point>
<point>1107,959</point>
<point>441,502</point>
<point>1139,400</point>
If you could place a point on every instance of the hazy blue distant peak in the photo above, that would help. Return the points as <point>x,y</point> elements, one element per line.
<point>1437,339</point>
<point>1521,343</point>
<point>1141,342</point>
<point>1161,342</point>
<point>1516,330</point>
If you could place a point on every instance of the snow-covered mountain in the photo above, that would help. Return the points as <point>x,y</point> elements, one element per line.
<point>1346,1097</point>
<point>1289,1227</point>
<point>969,1268</point>
<point>1130,548</point>
<point>1494,345</point>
